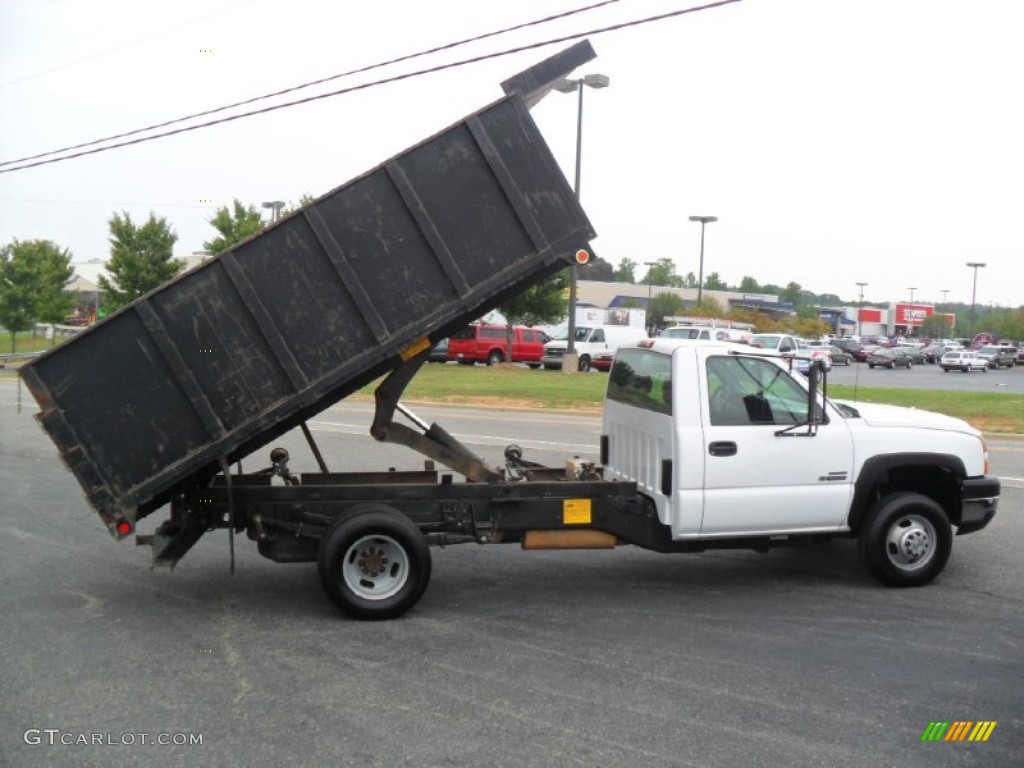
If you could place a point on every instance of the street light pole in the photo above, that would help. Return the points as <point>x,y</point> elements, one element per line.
<point>569,86</point>
<point>974,291</point>
<point>275,206</point>
<point>911,294</point>
<point>700,276</point>
<point>650,265</point>
<point>860,311</point>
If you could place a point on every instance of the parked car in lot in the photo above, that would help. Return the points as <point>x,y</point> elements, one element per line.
<point>861,355</point>
<point>848,345</point>
<point>894,357</point>
<point>933,352</point>
<point>965,360</point>
<point>489,344</point>
<point>915,352</point>
<point>998,355</point>
<point>840,356</point>
<point>439,352</point>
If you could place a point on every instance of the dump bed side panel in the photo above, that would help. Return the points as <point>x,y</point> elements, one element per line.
<point>243,348</point>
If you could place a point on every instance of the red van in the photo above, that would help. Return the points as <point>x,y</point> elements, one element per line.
<point>489,344</point>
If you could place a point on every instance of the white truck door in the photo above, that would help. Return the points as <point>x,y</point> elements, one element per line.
<point>755,480</point>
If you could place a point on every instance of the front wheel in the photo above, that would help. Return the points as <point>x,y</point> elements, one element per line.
<point>584,365</point>
<point>374,564</point>
<point>905,540</point>
<point>495,357</point>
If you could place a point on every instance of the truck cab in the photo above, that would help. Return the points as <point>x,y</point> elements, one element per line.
<point>726,442</point>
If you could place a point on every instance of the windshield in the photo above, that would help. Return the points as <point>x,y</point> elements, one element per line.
<point>766,340</point>
<point>581,334</point>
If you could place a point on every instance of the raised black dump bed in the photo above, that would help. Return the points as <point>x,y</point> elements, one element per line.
<point>218,362</point>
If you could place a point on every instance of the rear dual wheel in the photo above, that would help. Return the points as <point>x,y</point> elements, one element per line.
<point>374,563</point>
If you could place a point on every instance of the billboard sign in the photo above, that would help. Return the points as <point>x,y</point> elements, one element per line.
<point>913,315</point>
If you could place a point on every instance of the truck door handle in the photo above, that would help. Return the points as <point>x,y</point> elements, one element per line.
<point>722,448</point>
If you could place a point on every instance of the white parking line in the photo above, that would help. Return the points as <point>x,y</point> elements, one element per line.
<point>468,439</point>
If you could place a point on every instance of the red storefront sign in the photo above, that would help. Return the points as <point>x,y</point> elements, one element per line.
<point>913,314</point>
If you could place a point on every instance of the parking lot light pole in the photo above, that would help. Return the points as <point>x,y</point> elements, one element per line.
<point>569,363</point>
<point>860,311</point>
<point>911,294</point>
<point>700,275</point>
<point>275,206</point>
<point>650,265</point>
<point>974,291</point>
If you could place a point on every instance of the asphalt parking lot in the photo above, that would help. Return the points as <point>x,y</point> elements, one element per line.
<point>930,376</point>
<point>618,658</point>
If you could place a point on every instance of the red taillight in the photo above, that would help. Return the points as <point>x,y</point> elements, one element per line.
<point>124,528</point>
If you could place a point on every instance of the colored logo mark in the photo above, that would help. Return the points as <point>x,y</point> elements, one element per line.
<point>958,730</point>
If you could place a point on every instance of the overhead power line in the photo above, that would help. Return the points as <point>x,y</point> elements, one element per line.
<point>361,86</point>
<point>311,83</point>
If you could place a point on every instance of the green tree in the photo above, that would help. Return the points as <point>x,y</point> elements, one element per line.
<point>712,282</point>
<point>233,226</point>
<point>690,281</point>
<point>935,327</point>
<point>304,200</point>
<point>792,294</point>
<point>539,304</point>
<point>749,285</point>
<point>1009,324</point>
<point>140,258</point>
<point>33,276</point>
<point>663,305</point>
<point>597,269</point>
<point>626,271</point>
<point>706,307</point>
<point>663,273</point>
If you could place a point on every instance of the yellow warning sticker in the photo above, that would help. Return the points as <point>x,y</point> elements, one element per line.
<point>415,348</point>
<point>576,512</point>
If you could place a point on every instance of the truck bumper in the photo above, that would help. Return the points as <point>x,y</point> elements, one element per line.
<point>980,498</point>
<point>552,359</point>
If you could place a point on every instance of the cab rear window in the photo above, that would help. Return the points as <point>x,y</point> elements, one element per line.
<point>643,379</point>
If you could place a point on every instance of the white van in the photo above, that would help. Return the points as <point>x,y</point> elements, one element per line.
<point>703,332</point>
<point>595,345</point>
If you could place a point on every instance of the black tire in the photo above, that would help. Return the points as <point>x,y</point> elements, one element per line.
<point>909,365</point>
<point>374,564</point>
<point>905,540</point>
<point>871,365</point>
<point>584,365</point>
<point>495,357</point>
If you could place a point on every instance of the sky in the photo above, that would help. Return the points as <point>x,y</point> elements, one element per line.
<point>877,141</point>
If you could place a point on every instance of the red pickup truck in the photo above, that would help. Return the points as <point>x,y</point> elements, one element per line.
<point>489,344</point>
